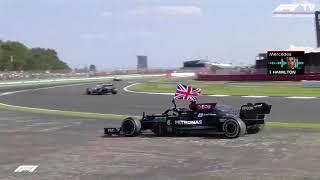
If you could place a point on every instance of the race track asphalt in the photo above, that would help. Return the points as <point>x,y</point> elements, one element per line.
<point>73,148</point>
<point>72,98</point>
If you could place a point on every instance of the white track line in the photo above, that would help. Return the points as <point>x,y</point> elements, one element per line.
<point>213,95</point>
<point>54,128</point>
<point>127,90</point>
<point>141,92</point>
<point>44,123</point>
<point>219,95</point>
<point>255,96</point>
<point>301,97</point>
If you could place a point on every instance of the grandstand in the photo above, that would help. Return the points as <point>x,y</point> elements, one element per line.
<point>205,66</point>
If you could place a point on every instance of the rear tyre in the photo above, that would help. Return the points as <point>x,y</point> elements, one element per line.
<point>131,127</point>
<point>254,129</point>
<point>234,128</point>
<point>88,92</point>
<point>114,91</point>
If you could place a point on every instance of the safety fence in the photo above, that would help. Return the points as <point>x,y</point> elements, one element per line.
<point>258,77</point>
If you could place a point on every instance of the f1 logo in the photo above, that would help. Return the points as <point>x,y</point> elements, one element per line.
<point>27,168</point>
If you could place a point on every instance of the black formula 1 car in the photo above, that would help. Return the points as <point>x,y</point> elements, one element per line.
<point>117,79</point>
<point>100,89</point>
<point>205,119</point>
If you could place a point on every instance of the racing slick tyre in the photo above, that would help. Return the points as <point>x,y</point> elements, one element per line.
<point>233,128</point>
<point>114,91</point>
<point>254,129</point>
<point>131,127</point>
<point>88,92</point>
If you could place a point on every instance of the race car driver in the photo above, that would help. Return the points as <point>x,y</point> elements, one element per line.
<point>193,106</point>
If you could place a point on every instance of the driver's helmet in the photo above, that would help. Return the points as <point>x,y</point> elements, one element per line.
<point>193,105</point>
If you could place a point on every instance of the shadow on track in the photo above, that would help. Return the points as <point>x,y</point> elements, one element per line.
<point>153,136</point>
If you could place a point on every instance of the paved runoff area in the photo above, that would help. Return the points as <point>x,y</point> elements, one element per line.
<point>35,146</point>
<point>72,148</point>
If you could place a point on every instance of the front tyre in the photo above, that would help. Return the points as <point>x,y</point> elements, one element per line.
<point>88,91</point>
<point>233,128</point>
<point>131,127</point>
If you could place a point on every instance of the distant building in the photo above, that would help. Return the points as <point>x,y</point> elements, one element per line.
<point>317,23</point>
<point>195,64</point>
<point>312,62</point>
<point>261,63</point>
<point>207,66</point>
<point>142,62</point>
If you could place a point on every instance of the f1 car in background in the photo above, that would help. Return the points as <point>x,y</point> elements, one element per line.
<point>101,89</point>
<point>117,79</point>
<point>206,118</point>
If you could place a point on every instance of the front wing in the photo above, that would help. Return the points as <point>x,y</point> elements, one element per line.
<point>112,131</point>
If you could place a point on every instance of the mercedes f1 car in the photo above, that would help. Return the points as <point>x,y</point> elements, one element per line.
<point>204,118</point>
<point>100,89</point>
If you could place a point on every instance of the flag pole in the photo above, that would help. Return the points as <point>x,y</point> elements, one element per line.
<point>174,103</point>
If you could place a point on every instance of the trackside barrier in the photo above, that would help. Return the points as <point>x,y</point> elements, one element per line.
<point>311,83</point>
<point>183,74</point>
<point>257,77</point>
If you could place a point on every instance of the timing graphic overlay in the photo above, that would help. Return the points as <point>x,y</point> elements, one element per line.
<point>285,62</point>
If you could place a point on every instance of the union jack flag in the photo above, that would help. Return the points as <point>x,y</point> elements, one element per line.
<point>186,92</point>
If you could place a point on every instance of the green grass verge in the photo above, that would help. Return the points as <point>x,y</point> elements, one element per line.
<point>62,113</point>
<point>293,125</point>
<point>232,90</point>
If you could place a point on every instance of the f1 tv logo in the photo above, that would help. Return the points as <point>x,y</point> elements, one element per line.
<point>303,9</point>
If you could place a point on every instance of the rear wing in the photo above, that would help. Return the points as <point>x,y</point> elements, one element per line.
<point>255,111</point>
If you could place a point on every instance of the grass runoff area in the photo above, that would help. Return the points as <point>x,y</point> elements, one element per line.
<point>229,88</point>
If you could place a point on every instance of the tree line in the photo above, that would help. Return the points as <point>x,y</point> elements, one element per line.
<point>15,56</point>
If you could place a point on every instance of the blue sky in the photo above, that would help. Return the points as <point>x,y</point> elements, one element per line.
<point>110,33</point>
